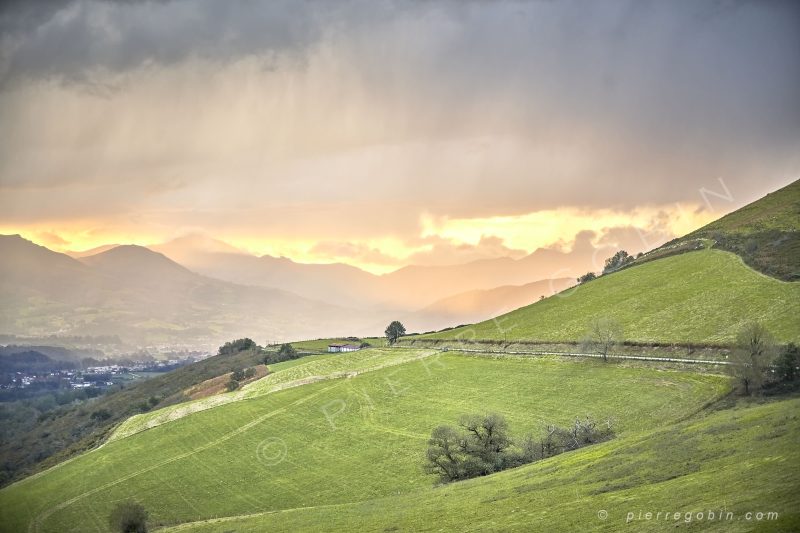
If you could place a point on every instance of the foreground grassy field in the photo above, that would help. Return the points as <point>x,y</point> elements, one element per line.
<point>738,461</point>
<point>702,297</point>
<point>339,441</point>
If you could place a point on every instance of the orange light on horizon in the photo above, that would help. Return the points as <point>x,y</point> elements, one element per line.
<point>526,232</point>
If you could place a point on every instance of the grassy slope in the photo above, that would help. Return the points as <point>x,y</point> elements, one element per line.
<point>72,429</point>
<point>765,233</point>
<point>738,460</point>
<point>300,373</point>
<point>779,210</point>
<point>207,464</point>
<point>702,296</point>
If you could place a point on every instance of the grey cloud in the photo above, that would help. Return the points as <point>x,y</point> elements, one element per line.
<point>621,102</point>
<point>69,40</point>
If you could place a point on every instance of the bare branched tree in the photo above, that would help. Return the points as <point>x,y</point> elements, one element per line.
<point>751,357</point>
<point>603,335</point>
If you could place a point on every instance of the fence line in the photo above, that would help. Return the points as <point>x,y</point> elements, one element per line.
<point>594,355</point>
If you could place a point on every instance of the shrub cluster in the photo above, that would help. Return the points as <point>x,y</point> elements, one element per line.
<point>481,445</point>
<point>238,375</point>
<point>239,345</point>
<point>772,252</point>
<point>128,517</point>
<point>285,353</point>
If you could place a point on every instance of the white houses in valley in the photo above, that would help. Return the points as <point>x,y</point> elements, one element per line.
<point>343,348</point>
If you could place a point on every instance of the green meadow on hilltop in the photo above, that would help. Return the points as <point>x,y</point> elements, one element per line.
<point>704,296</point>
<point>339,441</point>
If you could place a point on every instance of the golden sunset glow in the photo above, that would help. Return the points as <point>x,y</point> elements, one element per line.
<point>554,228</point>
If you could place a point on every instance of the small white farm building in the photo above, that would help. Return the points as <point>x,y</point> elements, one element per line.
<point>343,347</point>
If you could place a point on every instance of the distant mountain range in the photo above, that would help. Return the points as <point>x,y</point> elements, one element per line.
<point>199,291</point>
<point>408,289</point>
<point>146,298</point>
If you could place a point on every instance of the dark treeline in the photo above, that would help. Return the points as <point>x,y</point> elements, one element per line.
<point>32,361</point>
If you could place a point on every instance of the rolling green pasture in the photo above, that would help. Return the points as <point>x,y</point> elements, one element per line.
<point>341,441</point>
<point>294,373</point>
<point>285,365</point>
<point>700,297</point>
<point>743,460</point>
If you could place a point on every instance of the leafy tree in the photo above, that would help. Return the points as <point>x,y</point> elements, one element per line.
<point>237,374</point>
<point>239,345</point>
<point>445,454</point>
<point>589,276</point>
<point>128,517</point>
<point>481,445</point>
<point>287,352</point>
<point>232,385</point>
<point>788,361</point>
<point>394,331</point>
<point>249,372</point>
<point>617,261</point>
<point>603,335</point>
<point>751,356</point>
<point>487,439</point>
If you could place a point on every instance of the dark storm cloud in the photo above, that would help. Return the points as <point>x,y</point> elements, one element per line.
<point>69,39</point>
<point>463,109</point>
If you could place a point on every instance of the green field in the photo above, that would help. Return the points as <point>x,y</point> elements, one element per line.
<point>700,297</point>
<point>293,373</point>
<point>342,441</point>
<point>743,460</point>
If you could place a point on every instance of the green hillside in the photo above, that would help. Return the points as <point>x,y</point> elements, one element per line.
<point>704,296</point>
<point>765,233</point>
<point>280,451</point>
<point>71,429</point>
<point>741,461</point>
<point>286,375</point>
<point>779,210</point>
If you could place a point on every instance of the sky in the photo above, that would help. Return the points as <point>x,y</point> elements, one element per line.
<point>386,133</point>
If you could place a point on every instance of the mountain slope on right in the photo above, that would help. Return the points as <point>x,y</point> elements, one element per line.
<point>697,289</point>
<point>765,233</point>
